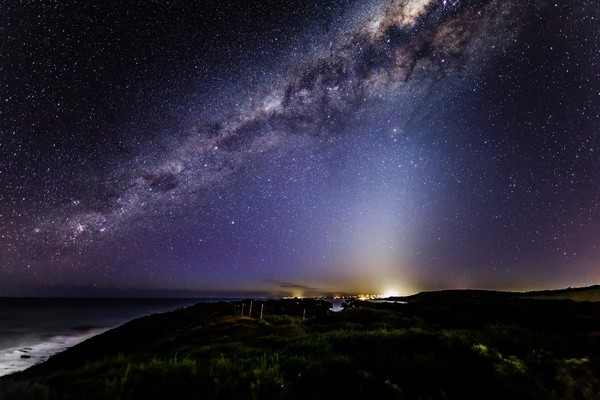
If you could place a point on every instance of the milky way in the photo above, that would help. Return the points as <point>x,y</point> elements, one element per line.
<point>398,146</point>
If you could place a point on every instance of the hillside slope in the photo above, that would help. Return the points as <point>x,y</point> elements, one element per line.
<point>440,347</point>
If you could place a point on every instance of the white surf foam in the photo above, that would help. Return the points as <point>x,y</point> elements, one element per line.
<point>14,359</point>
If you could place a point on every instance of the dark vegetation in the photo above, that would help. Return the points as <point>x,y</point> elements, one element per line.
<point>444,345</point>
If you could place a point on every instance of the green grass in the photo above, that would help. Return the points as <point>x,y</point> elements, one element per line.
<point>414,351</point>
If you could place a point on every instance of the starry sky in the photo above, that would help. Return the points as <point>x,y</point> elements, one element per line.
<point>298,148</point>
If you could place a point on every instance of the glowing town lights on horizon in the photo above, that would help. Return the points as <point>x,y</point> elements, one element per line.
<point>391,292</point>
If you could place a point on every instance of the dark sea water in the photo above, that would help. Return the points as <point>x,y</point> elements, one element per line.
<point>33,329</point>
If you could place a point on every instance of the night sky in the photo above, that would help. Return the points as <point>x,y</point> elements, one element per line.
<point>298,148</point>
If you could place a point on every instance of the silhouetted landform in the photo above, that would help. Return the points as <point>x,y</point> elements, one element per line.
<point>438,345</point>
<point>588,293</point>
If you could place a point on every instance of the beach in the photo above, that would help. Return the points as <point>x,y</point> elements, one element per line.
<point>33,329</point>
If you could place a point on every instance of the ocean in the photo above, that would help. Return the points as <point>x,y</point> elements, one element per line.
<point>33,329</point>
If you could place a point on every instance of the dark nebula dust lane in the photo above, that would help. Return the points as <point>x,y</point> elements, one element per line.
<point>382,147</point>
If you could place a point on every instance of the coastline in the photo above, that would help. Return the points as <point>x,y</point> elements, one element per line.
<point>34,329</point>
<point>30,353</point>
<point>464,344</point>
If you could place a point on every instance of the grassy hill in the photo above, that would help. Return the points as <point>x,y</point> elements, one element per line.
<point>590,293</point>
<point>452,345</point>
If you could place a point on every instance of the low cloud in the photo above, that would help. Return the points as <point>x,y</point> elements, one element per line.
<point>292,285</point>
